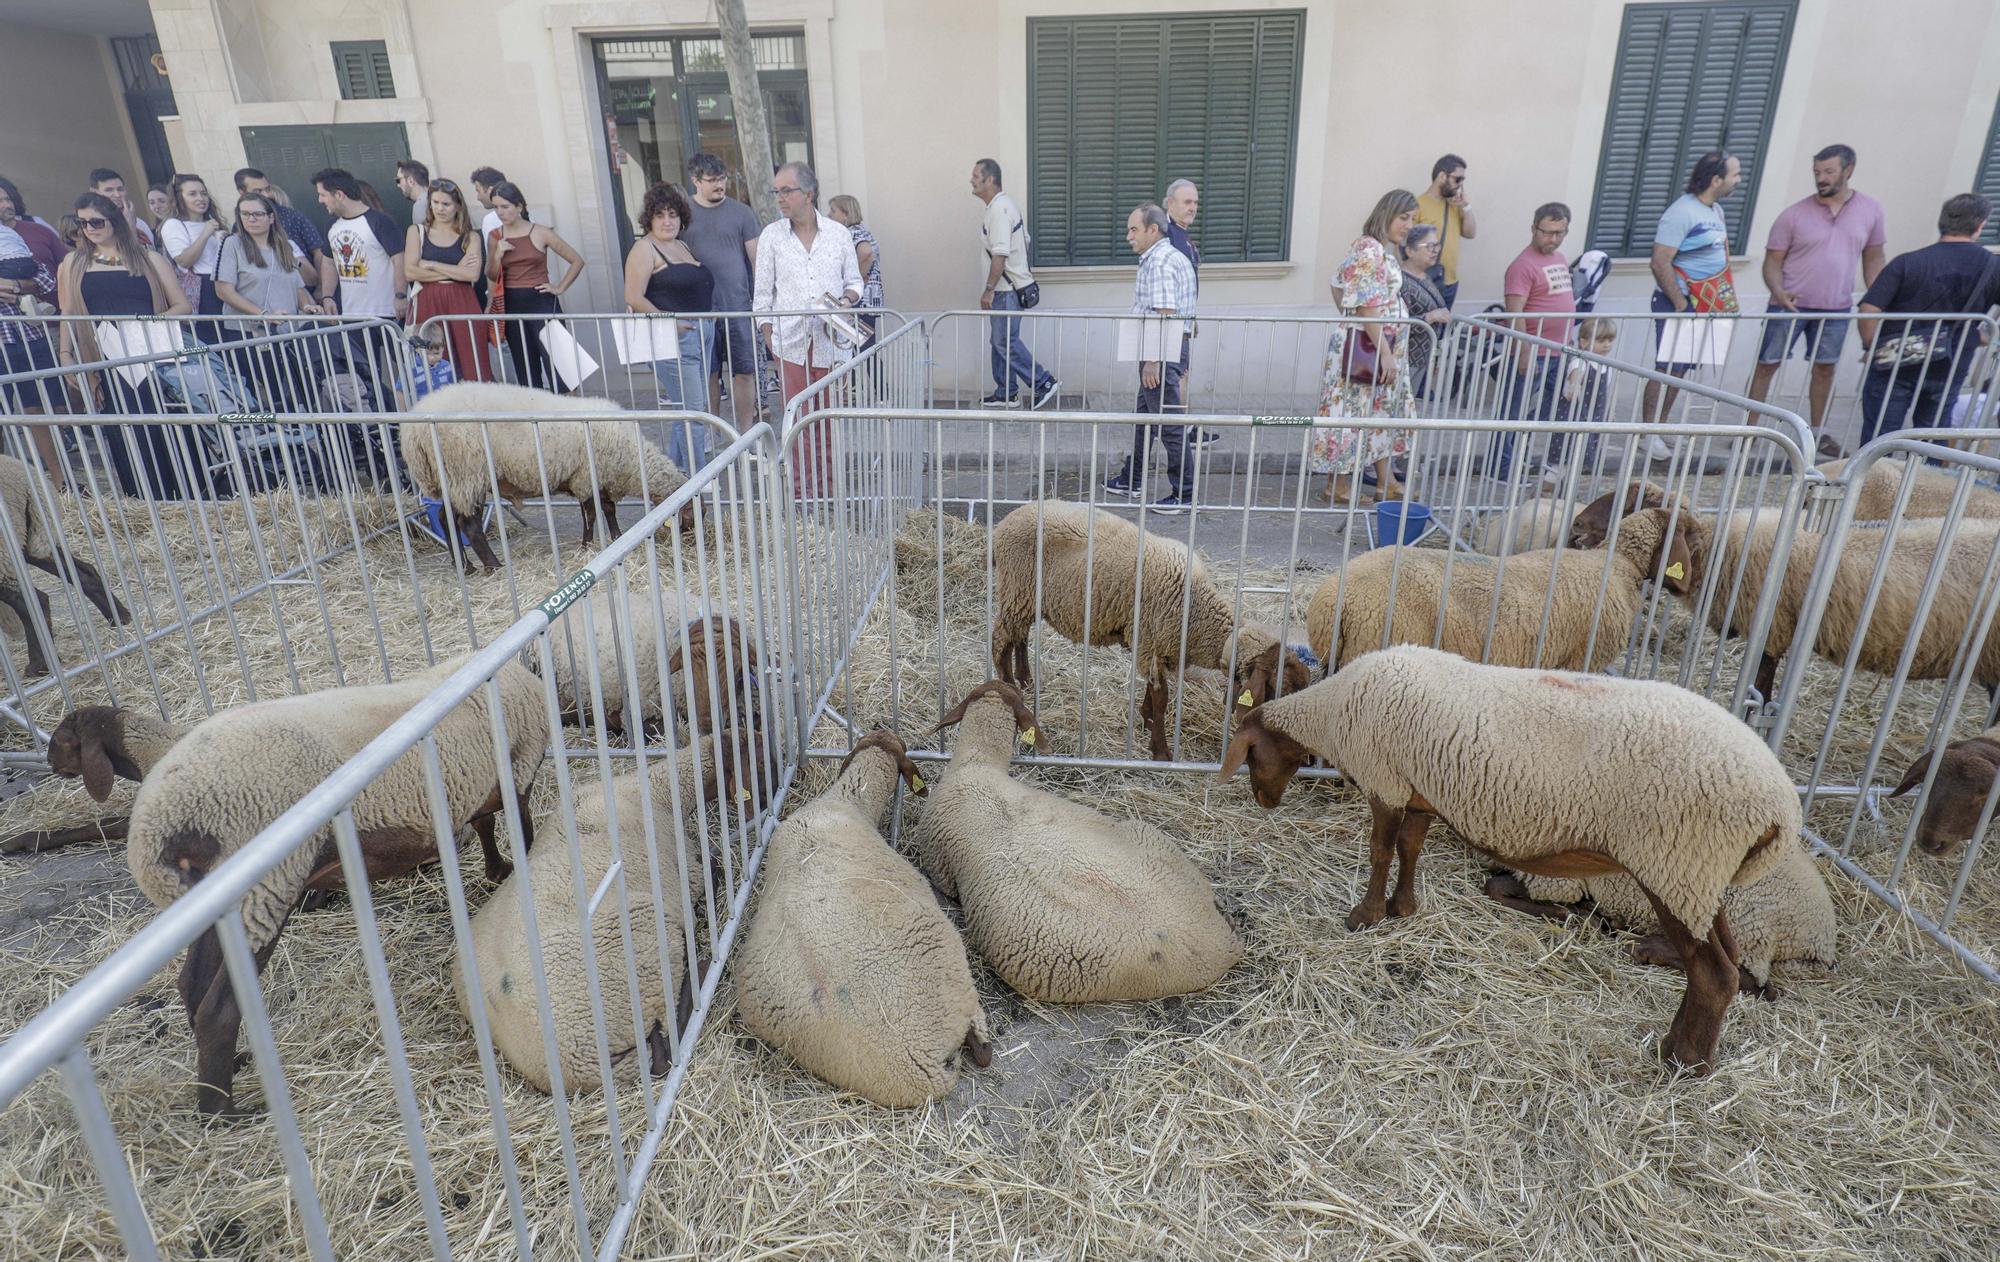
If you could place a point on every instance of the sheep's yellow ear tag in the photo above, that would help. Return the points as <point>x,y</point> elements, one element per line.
<point>1028,736</point>
<point>916,784</point>
<point>742,794</point>
<point>1677,571</point>
<point>1246,700</point>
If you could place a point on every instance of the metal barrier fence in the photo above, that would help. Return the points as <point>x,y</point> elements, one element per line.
<point>1921,370</point>
<point>648,868</point>
<point>1894,628</point>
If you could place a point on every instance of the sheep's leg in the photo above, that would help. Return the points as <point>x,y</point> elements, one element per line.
<point>470,526</point>
<point>1658,950</point>
<point>88,581</point>
<point>1381,847</point>
<point>12,597</point>
<point>1156,718</point>
<point>40,842</point>
<point>588,507</point>
<point>1712,979</point>
<point>660,1058</point>
<point>611,530</point>
<point>497,867</point>
<point>1767,675</point>
<point>978,1050</point>
<point>1410,831</point>
<point>216,1018</point>
<point>1509,890</point>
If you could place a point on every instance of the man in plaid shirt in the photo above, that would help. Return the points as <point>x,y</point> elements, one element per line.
<point>1165,287</point>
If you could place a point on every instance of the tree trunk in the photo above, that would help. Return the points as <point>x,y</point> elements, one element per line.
<point>753,134</point>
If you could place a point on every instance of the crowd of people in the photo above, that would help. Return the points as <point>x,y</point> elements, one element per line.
<point>751,297</point>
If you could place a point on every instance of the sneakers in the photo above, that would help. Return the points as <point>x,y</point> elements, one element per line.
<point>1203,437</point>
<point>995,399</point>
<point>1121,484</point>
<point>1553,476</point>
<point>1658,450</point>
<point>1829,449</point>
<point>1046,394</point>
<point>1168,506</point>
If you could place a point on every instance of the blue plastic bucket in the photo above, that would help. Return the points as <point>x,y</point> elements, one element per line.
<point>1398,522</point>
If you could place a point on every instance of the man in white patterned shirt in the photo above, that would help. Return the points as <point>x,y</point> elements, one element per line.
<point>1164,287</point>
<point>802,259</point>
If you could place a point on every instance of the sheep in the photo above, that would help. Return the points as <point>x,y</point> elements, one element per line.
<point>500,944</point>
<point>1958,794</point>
<point>99,744</point>
<point>1558,774</point>
<point>1930,497</point>
<point>656,698</point>
<point>1787,917</point>
<point>1067,905</point>
<point>40,541</point>
<point>1529,526</point>
<point>1582,633</point>
<point>1749,539</point>
<point>849,964</point>
<point>1148,622</point>
<point>597,462</point>
<point>235,772</point>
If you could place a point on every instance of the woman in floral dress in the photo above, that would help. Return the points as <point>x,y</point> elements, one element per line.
<point>1369,284</point>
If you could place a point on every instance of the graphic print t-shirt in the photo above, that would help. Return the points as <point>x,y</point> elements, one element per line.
<point>1543,280</point>
<point>361,249</point>
<point>1699,237</point>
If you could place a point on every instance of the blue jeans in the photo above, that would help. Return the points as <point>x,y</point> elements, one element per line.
<point>1013,366</point>
<point>683,384</point>
<point>1913,396</point>
<point>1531,396</point>
<point>1153,402</point>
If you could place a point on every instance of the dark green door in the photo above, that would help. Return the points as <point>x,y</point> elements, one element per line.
<point>290,156</point>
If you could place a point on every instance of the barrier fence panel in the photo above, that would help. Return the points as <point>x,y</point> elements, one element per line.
<point>941,565</point>
<point>1919,370</point>
<point>1893,664</point>
<point>379,1120</point>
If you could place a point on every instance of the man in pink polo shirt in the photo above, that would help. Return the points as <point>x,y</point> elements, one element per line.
<point>1809,263</point>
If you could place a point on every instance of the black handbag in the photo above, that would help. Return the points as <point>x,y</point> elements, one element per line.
<point>1029,295</point>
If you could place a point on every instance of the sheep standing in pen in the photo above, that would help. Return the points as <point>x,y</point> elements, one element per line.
<point>1582,632</point>
<point>40,541</point>
<point>1786,917</point>
<point>1077,551</point>
<point>849,963</point>
<point>672,787</point>
<point>1067,905</point>
<point>596,462</point>
<point>571,653</point>
<point>1558,774</point>
<point>1958,793</point>
<point>235,772</point>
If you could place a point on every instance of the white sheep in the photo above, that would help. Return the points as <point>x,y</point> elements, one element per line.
<point>738,674</point>
<point>1527,527</point>
<point>1558,774</point>
<point>1786,917</point>
<point>41,546</point>
<point>235,772</point>
<point>596,462</point>
<point>1930,497</point>
<point>1589,617</point>
<point>1066,904</point>
<point>500,944</point>
<point>1137,599</point>
<point>849,964</point>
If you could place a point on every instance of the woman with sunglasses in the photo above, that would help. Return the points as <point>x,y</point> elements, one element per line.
<point>444,259</point>
<point>192,238</point>
<point>110,276</point>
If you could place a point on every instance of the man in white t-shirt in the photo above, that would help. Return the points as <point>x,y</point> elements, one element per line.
<point>1004,235</point>
<point>366,248</point>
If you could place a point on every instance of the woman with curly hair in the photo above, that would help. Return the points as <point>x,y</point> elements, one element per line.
<point>662,275</point>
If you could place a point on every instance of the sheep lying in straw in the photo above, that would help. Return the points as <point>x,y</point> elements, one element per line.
<point>1749,540</point>
<point>596,462</point>
<point>40,541</point>
<point>1786,917</point>
<point>1067,905</point>
<point>235,772</point>
<point>1585,630</point>
<point>1053,537</point>
<point>1930,497</point>
<point>1958,794</point>
<point>1527,527</point>
<point>849,964</point>
<point>1558,774</point>
<point>671,786</point>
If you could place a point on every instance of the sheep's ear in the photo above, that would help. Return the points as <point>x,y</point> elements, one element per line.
<point>1024,719</point>
<point>1257,690</point>
<point>1678,573</point>
<point>95,761</point>
<point>1915,775</point>
<point>910,776</point>
<point>1239,748</point>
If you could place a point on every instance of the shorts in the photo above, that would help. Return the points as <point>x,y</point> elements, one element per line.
<point>731,343</point>
<point>1823,337</point>
<point>28,354</point>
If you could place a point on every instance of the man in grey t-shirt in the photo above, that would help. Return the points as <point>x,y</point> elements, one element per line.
<point>723,236</point>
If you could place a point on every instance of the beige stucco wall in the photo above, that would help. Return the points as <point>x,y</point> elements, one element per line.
<point>65,116</point>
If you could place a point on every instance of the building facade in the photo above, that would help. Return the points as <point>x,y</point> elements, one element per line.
<point>1293,117</point>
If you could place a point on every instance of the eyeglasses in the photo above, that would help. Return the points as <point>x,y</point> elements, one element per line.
<point>253,214</point>
<point>443,186</point>
<point>786,192</point>
<point>92,222</point>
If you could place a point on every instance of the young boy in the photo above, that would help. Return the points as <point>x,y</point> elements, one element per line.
<point>428,370</point>
<point>1587,387</point>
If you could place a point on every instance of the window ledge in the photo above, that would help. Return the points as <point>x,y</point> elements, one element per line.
<point>1217,271</point>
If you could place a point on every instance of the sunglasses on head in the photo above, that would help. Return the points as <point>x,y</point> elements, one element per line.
<point>92,221</point>
<point>443,186</point>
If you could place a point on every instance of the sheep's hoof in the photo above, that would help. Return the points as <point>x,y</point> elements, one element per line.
<point>1658,950</point>
<point>317,900</point>
<point>1682,1059</point>
<point>1362,917</point>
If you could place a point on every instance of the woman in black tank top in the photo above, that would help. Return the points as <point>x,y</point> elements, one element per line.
<point>662,280</point>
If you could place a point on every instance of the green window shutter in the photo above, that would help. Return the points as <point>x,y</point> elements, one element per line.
<point>1987,182</point>
<point>1119,107</point>
<point>1689,78</point>
<point>361,67</point>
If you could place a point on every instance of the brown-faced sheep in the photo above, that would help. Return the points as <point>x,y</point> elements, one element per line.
<point>1053,537</point>
<point>1958,793</point>
<point>1066,904</point>
<point>1558,774</point>
<point>99,744</point>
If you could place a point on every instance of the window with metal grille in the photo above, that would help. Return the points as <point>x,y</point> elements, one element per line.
<point>1988,179</point>
<point>1120,107</point>
<point>362,68</point>
<point>1689,78</point>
